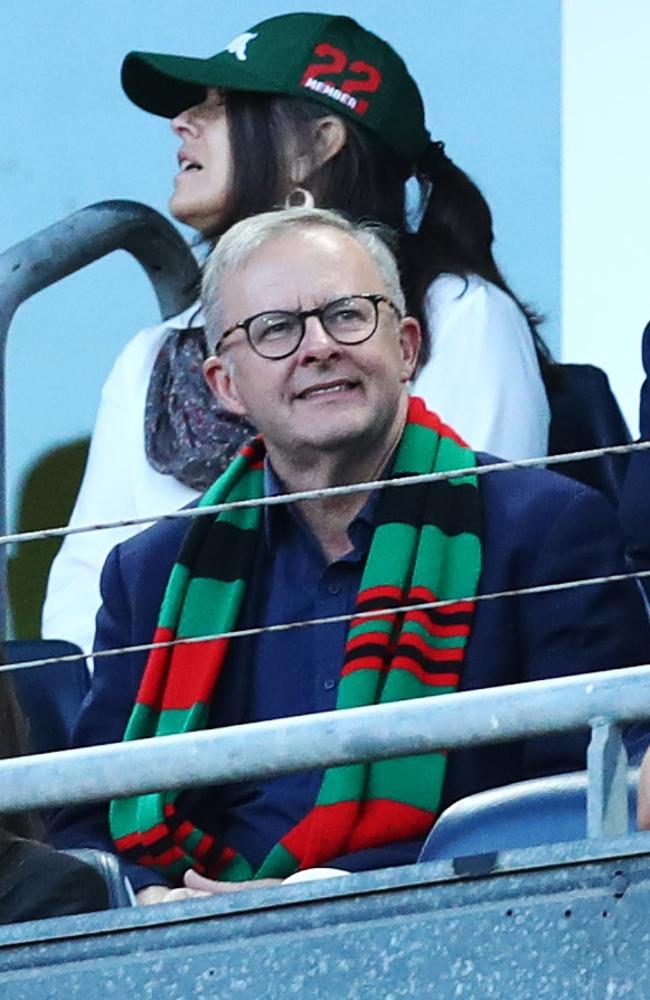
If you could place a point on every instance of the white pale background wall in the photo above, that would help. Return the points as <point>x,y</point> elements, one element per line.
<point>606,189</point>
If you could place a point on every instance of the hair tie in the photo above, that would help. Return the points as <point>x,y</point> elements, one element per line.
<point>433,158</point>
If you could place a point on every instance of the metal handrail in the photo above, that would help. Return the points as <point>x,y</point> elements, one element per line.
<point>66,247</point>
<point>600,701</point>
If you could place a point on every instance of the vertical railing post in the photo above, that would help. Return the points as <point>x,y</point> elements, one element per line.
<point>66,247</point>
<point>607,806</point>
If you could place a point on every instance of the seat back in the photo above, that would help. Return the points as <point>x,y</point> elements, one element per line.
<point>586,415</point>
<point>51,694</point>
<point>526,814</point>
<point>120,892</point>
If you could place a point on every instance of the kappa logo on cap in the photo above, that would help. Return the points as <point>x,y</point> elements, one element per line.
<point>238,45</point>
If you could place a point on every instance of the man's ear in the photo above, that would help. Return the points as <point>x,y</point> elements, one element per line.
<point>411,341</point>
<point>220,375</point>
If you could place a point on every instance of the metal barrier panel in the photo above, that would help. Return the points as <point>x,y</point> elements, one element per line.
<point>599,701</point>
<point>66,247</point>
<point>549,923</point>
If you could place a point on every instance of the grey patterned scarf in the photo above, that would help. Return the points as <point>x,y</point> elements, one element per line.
<point>187,432</point>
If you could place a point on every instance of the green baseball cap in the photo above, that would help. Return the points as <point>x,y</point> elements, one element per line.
<point>327,58</point>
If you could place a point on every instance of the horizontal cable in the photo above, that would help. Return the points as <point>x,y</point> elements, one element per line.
<point>545,588</point>
<point>329,491</point>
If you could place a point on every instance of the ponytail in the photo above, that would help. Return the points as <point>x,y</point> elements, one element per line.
<point>456,236</point>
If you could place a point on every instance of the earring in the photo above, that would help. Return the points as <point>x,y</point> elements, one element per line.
<point>299,198</point>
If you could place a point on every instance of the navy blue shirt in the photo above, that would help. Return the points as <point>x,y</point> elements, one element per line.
<point>297,672</point>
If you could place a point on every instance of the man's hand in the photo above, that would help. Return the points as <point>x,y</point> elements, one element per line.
<point>152,894</point>
<point>196,886</point>
<point>202,886</point>
<point>643,803</point>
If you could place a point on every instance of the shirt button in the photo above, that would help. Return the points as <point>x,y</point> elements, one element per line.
<point>334,588</point>
<point>329,684</point>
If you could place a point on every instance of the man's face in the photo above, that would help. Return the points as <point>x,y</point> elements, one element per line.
<point>325,396</point>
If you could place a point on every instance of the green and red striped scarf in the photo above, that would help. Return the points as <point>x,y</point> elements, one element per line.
<point>425,547</point>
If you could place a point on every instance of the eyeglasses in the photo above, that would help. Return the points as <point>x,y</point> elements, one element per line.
<point>277,334</point>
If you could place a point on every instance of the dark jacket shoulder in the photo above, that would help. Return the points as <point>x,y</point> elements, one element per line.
<point>37,881</point>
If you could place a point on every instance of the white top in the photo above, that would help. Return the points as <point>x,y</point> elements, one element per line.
<point>482,378</point>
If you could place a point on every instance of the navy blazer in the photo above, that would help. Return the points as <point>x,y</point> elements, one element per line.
<point>634,507</point>
<point>539,527</point>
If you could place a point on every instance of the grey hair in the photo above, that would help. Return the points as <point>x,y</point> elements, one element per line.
<point>236,245</point>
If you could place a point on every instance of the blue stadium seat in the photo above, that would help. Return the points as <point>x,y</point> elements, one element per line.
<point>527,814</point>
<point>51,694</point>
<point>109,867</point>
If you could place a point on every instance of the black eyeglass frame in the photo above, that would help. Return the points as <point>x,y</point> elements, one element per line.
<point>303,315</point>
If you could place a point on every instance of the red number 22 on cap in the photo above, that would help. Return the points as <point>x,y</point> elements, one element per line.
<point>338,63</point>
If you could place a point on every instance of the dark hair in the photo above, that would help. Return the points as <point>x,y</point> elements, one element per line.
<point>14,742</point>
<point>366,180</point>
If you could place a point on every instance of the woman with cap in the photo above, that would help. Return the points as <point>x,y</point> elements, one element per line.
<point>300,108</point>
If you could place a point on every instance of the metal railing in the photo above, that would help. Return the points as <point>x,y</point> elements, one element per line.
<point>66,247</point>
<point>601,702</point>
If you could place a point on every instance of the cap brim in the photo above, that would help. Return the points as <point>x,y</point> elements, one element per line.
<point>167,85</point>
<point>164,85</point>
